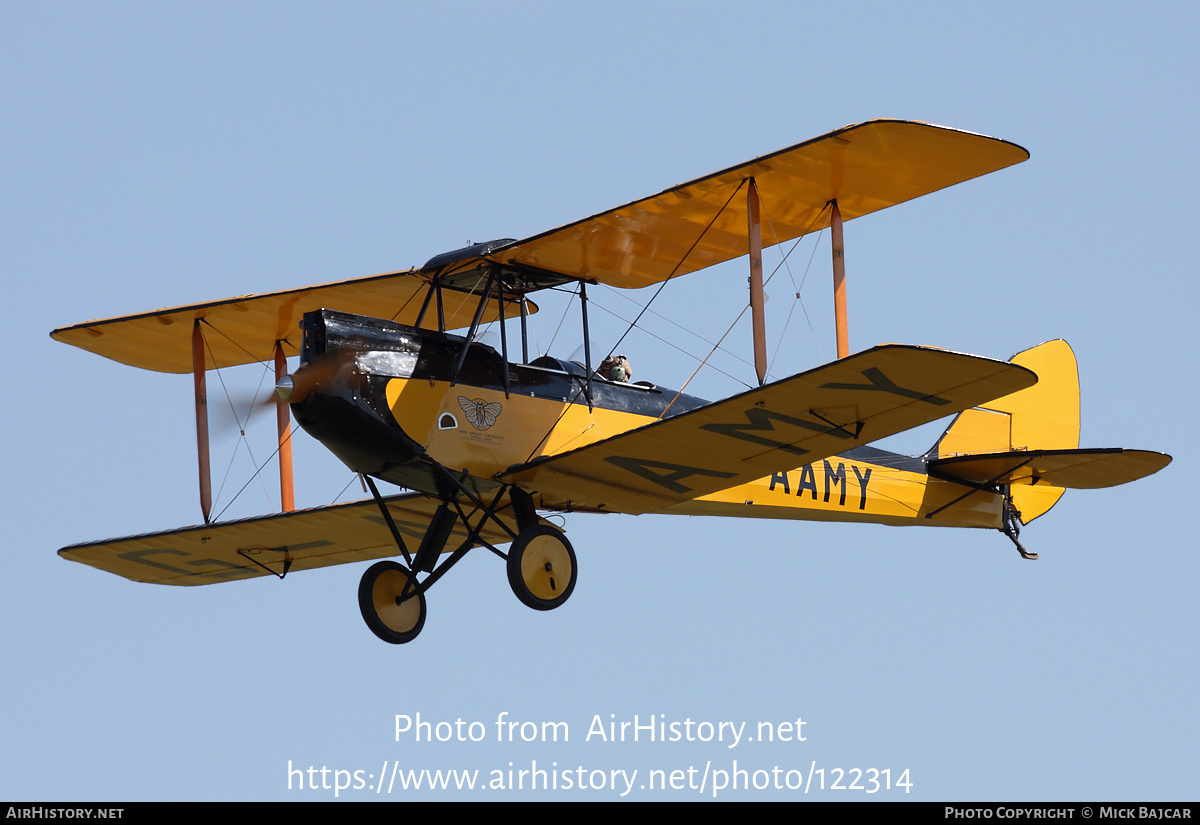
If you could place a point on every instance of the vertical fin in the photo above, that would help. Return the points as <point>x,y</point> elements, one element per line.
<point>1042,417</point>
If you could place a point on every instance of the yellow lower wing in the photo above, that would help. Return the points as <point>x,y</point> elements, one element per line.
<point>783,425</point>
<point>308,539</point>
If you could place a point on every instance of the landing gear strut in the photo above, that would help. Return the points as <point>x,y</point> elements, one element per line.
<point>541,562</point>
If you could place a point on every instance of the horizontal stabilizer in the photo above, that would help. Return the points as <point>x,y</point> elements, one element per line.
<point>810,416</point>
<point>1074,469</point>
<point>308,539</point>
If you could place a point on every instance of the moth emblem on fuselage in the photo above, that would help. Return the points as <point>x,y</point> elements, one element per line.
<point>480,413</point>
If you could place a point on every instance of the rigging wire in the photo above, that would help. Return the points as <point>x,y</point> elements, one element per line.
<point>237,418</point>
<point>678,326</point>
<point>467,294</point>
<point>267,367</point>
<point>675,270</point>
<point>570,301</point>
<point>803,309</point>
<point>633,324</point>
<point>404,306</point>
<point>766,281</point>
<point>258,473</point>
<point>254,359</point>
<point>266,464</point>
<point>677,347</point>
<point>336,498</point>
<point>699,367</point>
<point>537,345</point>
<point>800,287</point>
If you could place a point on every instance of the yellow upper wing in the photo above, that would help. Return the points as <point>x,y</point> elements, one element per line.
<point>865,167</point>
<point>819,413</point>
<point>244,329</point>
<point>320,537</point>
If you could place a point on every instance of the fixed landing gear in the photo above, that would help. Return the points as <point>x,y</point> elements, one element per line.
<point>392,603</point>
<point>541,567</point>
<point>540,561</point>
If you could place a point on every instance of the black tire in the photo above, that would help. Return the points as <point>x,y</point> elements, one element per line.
<point>396,622</point>
<point>541,567</point>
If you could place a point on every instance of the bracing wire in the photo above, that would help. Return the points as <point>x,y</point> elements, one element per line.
<point>675,270</point>
<point>799,288</point>
<point>675,346</point>
<point>717,345</point>
<point>237,418</point>
<point>638,318</point>
<point>570,301</point>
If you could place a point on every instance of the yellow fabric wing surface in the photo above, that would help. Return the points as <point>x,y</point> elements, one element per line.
<point>243,330</point>
<point>1075,469</point>
<point>809,416</point>
<point>320,537</point>
<point>865,167</point>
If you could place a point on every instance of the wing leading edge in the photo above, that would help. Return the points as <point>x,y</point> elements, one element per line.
<point>812,415</point>
<point>245,328</point>
<point>319,537</point>
<point>865,167</point>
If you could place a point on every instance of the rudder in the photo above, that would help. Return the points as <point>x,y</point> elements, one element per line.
<point>1042,417</point>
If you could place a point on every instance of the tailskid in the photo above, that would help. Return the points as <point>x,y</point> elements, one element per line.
<point>1010,520</point>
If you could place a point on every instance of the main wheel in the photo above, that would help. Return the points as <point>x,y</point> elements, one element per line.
<point>541,567</point>
<point>391,604</point>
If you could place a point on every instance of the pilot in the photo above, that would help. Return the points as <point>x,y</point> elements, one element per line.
<point>615,368</point>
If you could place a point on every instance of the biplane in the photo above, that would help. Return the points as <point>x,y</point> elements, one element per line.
<point>393,378</point>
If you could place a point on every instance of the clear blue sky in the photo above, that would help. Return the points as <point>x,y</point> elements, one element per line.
<point>157,154</point>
